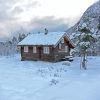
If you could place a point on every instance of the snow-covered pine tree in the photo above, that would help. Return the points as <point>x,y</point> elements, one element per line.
<point>86,38</point>
<point>21,37</point>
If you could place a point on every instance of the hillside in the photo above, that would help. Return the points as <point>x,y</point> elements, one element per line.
<point>91,16</point>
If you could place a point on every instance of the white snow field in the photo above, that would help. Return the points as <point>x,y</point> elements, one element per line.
<point>37,80</point>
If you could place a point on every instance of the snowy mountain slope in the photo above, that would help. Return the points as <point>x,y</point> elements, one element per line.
<point>93,15</point>
<point>36,80</point>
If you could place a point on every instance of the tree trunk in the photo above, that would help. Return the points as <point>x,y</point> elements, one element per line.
<point>84,61</point>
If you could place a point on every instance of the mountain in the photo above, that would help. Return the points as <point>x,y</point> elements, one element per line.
<point>90,16</point>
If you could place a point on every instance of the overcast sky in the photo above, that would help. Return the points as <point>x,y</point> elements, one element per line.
<point>26,15</point>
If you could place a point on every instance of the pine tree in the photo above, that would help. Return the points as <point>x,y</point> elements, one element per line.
<point>21,37</point>
<point>85,40</point>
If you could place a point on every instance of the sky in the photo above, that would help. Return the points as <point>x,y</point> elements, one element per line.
<point>34,15</point>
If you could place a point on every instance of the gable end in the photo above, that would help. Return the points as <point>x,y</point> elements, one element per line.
<point>69,42</point>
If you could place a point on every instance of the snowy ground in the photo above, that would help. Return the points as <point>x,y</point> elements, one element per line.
<point>28,80</point>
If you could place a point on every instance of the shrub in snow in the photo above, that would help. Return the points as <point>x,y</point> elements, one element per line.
<point>42,72</point>
<point>54,82</point>
<point>56,75</point>
<point>67,63</point>
<point>72,52</point>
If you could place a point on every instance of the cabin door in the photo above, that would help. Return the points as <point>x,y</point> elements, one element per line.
<point>40,51</point>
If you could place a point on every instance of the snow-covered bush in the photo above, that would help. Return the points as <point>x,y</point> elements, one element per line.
<point>54,82</point>
<point>67,63</point>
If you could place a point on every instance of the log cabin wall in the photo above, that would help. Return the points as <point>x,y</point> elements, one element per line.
<point>60,53</point>
<point>39,55</point>
<point>28,55</point>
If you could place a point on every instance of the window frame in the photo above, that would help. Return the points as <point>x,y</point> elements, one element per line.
<point>46,50</point>
<point>26,49</point>
<point>34,49</point>
<point>62,41</point>
<point>60,46</point>
<point>66,48</point>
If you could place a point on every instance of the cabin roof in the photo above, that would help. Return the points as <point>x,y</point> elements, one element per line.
<point>41,39</point>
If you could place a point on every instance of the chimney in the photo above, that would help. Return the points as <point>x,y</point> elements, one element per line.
<point>46,31</point>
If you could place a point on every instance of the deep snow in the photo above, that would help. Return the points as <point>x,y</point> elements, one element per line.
<point>37,80</point>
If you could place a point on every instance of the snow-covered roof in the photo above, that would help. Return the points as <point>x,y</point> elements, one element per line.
<point>41,39</point>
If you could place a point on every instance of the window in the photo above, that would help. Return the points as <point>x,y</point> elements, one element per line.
<point>25,48</point>
<point>59,45</point>
<point>62,41</point>
<point>66,48</point>
<point>34,49</point>
<point>46,50</point>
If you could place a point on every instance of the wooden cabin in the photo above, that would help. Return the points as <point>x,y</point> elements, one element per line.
<point>50,46</point>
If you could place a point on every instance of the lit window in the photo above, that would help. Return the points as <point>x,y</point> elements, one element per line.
<point>25,48</point>
<point>60,46</point>
<point>46,50</point>
<point>66,48</point>
<point>34,49</point>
